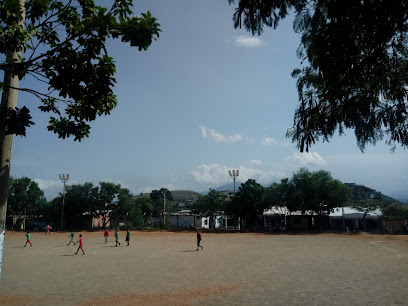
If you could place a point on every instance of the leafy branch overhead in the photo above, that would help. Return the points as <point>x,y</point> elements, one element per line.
<point>64,47</point>
<point>355,58</point>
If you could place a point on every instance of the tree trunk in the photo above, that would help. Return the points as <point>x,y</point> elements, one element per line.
<point>8,100</point>
<point>361,223</point>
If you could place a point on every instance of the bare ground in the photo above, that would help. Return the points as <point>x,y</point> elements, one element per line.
<point>161,268</point>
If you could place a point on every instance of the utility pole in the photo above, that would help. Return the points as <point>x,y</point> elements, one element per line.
<point>64,178</point>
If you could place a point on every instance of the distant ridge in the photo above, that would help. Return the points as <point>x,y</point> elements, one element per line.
<point>228,186</point>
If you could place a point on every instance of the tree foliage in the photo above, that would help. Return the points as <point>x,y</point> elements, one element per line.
<point>141,211</point>
<point>25,197</point>
<point>210,205</point>
<point>158,196</point>
<point>366,199</point>
<point>248,201</point>
<point>107,199</point>
<point>355,58</point>
<point>316,193</point>
<point>64,47</point>
<point>395,210</point>
<point>277,195</point>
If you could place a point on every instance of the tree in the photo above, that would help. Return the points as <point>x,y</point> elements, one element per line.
<point>79,199</point>
<point>61,43</point>
<point>104,200</point>
<point>140,211</point>
<point>210,205</point>
<point>107,194</point>
<point>159,198</point>
<point>277,194</point>
<point>367,200</point>
<point>248,201</point>
<point>396,210</point>
<point>25,197</point>
<point>355,75</point>
<point>316,192</point>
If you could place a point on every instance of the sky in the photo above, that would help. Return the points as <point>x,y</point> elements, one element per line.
<point>203,99</point>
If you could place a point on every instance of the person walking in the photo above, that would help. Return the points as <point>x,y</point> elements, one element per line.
<point>128,237</point>
<point>72,238</point>
<point>117,237</point>
<point>81,245</point>
<point>49,228</point>
<point>199,240</point>
<point>106,235</point>
<point>28,235</point>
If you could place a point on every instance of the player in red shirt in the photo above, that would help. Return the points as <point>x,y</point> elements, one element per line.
<point>81,243</point>
<point>48,230</point>
<point>106,235</point>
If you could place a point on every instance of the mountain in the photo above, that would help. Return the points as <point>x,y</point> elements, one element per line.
<point>185,195</point>
<point>363,193</point>
<point>229,186</point>
<point>178,195</point>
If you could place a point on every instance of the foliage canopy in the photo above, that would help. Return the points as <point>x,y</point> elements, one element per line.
<point>64,47</point>
<point>355,72</point>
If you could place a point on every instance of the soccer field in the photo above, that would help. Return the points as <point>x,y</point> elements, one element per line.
<point>164,268</point>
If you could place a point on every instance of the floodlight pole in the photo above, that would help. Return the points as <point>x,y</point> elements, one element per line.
<point>64,178</point>
<point>234,174</point>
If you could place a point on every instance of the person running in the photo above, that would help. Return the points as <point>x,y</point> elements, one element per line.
<point>28,235</point>
<point>81,244</point>
<point>128,236</point>
<point>49,228</point>
<point>72,238</point>
<point>106,235</point>
<point>199,240</point>
<point>117,237</point>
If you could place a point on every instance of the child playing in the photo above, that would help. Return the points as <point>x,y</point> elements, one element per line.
<point>198,240</point>
<point>81,243</point>
<point>106,235</point>
<point>28,239</point>
<point>117,237</point>
<point>72,238</point>
<point>48,230</point>
<point>128,236</point>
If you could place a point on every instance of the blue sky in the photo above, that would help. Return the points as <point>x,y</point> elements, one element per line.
<point>203,99</point>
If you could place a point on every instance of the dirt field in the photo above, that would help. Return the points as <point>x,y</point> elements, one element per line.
<point>161,268</point>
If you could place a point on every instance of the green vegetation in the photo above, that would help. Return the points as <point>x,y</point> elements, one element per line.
<point>312,193</point>
<point>354,56</point>
<point>61,44</point>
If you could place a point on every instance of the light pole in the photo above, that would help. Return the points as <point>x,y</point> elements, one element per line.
<point>234,174</point>
<point>64,178</point>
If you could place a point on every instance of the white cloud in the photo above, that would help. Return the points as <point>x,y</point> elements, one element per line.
<point>311,159</point>
<point>214,175</point>
<point>51,188</point>
<point>272,141</point>
<point>255,163</point>
<point>269,141</point>
<point>247,41</point>
<point>217,137</point>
